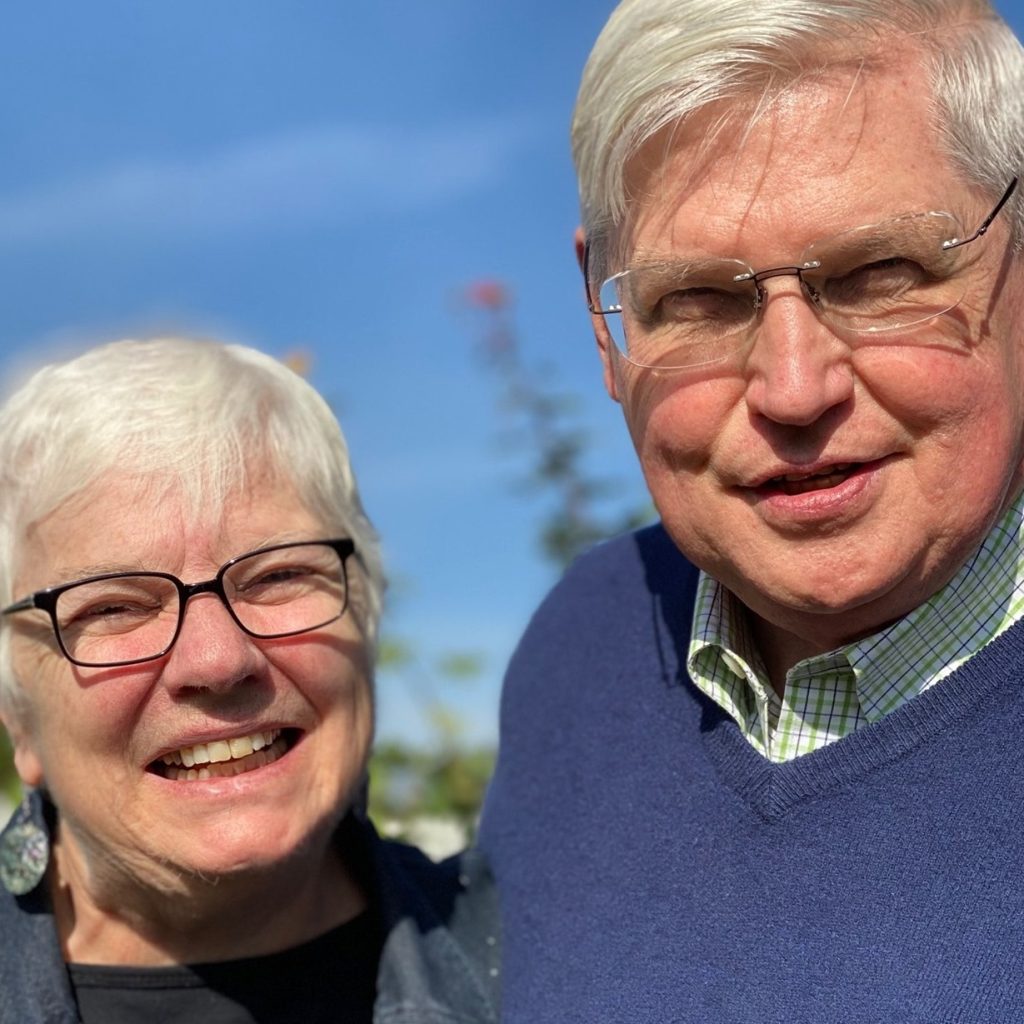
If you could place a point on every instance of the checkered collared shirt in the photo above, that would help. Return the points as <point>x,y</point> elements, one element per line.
<point>830,695</point>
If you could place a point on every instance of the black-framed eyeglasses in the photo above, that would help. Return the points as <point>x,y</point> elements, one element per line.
<point>879,278</point>
<point>123,618</point>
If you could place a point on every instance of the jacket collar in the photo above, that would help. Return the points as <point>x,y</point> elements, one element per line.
<point>439,958</point>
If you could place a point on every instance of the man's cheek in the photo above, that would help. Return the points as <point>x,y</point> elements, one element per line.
<point>673,425</point>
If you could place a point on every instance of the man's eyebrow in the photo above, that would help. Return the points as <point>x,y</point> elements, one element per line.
<point>912,224</point>
<point>670,263</point>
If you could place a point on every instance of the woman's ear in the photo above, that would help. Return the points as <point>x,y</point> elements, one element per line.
<point>26,760</point>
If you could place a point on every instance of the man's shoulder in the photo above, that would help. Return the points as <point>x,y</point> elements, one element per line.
<point>627,551</point>
<point>620,577</point>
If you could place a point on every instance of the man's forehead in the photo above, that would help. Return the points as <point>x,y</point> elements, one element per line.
<point>816,122</point>
<point>831,150</point>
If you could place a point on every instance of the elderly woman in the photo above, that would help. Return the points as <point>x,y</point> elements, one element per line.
<point>190,592</point>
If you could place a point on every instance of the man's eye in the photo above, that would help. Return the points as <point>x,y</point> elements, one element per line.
<point>698,305</point>
<point>893,278</point>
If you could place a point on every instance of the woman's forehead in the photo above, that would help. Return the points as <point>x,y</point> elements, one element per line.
<point>122,522</point>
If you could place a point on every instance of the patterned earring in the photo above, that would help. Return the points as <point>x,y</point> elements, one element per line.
<point>24,852</point>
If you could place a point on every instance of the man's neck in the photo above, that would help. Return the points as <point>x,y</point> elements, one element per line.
<point>779,649</point>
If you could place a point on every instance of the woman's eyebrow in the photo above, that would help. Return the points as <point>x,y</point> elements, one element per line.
<point>70,573</point>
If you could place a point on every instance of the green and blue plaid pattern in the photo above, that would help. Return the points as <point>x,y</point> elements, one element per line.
<point>829,696</point>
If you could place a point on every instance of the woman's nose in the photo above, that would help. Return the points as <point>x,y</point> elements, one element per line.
<point>212,652</point>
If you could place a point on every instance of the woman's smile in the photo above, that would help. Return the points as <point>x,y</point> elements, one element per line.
<point>224,758</point>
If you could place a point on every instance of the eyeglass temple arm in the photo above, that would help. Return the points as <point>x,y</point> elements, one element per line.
<point>592,306</point>
<point>24,605</point>
<point>955,243</point>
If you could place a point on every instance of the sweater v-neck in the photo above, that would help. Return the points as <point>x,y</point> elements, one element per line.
<point>988,682</point>
<point>938,715</point>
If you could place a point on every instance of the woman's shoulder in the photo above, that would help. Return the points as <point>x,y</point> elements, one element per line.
<point>32,976</point>
<point>442,942</point>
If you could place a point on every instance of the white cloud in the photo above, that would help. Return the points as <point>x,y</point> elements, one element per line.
<point>328,174</point>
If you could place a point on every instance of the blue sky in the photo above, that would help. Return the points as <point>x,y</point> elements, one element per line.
<point>328,177</point>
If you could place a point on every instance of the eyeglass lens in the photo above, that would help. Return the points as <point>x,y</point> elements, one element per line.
<point>869,280</point>
<point>134,617</point>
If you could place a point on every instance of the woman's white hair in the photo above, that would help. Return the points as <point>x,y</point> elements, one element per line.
<point>658,63</point>
<point>203,417</point>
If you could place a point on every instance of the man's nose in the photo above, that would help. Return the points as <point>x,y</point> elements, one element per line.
<point>797,368</point>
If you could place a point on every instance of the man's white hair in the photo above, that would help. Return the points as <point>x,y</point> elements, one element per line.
<point>659,63</point>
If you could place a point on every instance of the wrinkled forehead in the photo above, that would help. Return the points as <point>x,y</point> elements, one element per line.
<point>122,520</point>
<point>92,529</point>
<point>825,153</point>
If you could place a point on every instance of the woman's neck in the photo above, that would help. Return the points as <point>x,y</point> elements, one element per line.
<point>104,917</point>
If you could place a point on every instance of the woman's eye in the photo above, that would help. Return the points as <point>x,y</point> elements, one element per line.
<point>282,576</point>
<point>108,613</point>
<point>104,611</point>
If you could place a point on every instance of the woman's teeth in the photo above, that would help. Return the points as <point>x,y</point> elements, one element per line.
<point>221,750</point>
<point>223,758</point>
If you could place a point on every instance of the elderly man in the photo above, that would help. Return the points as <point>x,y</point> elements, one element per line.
<point>761,762</point>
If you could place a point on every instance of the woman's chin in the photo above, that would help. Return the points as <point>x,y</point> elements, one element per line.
<point>247,846</point>
<point>210,834</point>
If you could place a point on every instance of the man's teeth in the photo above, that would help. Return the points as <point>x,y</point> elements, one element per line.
<point>220,750</point>
<point>799,483</point>
<point>839,467</point>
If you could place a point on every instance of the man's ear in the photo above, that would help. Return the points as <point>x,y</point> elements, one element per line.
<point>26,760</point>
<point>580,239</point>
<point>600,332</point>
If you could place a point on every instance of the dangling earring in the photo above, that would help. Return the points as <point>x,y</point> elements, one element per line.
<point>24,851</point>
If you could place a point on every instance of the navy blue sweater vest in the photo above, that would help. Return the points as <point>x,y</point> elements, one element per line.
<point>653,867</point>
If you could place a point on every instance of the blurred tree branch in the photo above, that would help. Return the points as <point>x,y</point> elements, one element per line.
<point>586,507</point>
<point>446,780</point>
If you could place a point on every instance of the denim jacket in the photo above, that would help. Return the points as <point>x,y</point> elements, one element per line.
<point>439,963</point>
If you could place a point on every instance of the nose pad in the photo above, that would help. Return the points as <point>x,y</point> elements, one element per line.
<point>812,294</point>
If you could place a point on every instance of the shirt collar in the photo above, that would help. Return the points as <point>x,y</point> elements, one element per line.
<point>983,598</point>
